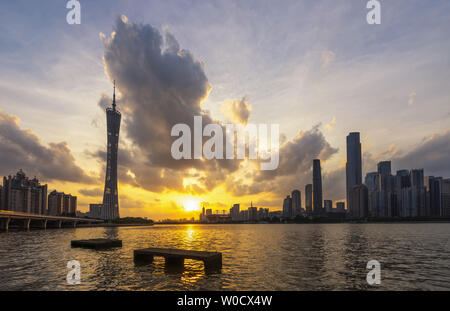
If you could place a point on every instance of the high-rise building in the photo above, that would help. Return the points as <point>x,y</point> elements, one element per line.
<point>384,168</point>
<point>296,202</point>
<point>372,181</point>
<point>433,195</point>
<point>418,193</point>
<point>445,197</point>
<point>328,205</point>
<point>358,199</point>
<point>69,207</point>
<point>403,192</point>
<point>340,207</point>
<point>55,203</point>
<point>353,167</point>
<point>317,188</point>
<point>287,207</point>
<point>110,208</point>
<point>21,194</point>
<point>95,210</point>
<point>308,199</point>
<point>387,202</point>
<point>234,212</point>
<point>252,212</point>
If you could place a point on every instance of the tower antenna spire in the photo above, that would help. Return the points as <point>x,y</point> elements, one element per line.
<point>114,96</point>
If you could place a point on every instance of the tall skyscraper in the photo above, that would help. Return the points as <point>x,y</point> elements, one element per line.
<point>317,188</point>
<point>110,209</point>
<point>353,166</point>
<point>296,202</point>
<point>287,207</point>
<point>433,195</point>
<point>308,199</point>
<point>418,193</point>
<point>234,212</point>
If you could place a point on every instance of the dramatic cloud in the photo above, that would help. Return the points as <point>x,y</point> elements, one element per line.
<point>237,110</point>
<point>294,170</point>
<point>160,85</point>
<point>23,149</point>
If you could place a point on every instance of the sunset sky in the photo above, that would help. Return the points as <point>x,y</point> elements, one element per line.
<point>314,67</point>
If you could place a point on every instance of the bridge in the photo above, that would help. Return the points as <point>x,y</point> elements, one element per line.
<point>27,221</point>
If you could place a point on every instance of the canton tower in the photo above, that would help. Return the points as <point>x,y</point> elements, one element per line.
<point>110,208</point>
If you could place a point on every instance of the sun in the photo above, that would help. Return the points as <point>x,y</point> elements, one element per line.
<point>191,205</point>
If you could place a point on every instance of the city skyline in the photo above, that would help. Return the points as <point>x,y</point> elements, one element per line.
<point>54,129</point>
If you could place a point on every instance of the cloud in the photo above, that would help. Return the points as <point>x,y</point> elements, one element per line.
<point>94,192</point>
<point>331,125</point>
<point>294,170</point>
<point>22,149</point>
<point>236,110</point>
<point>160,85</point>
<point>327,58</point>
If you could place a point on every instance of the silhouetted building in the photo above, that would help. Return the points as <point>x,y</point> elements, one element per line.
<point>317,188</point>
<point>328,205</point>
<point>287,207</point>
<point>308,199</point>
<point>95,210</point>
<point>234,212</point>
<point>353,167</point>
<point>358,199</point>
<point>55,203</point>
<point>110,208</point>
<point>433,196</point>
<point>252,212</point>
<point>340,207</point>
<point>418,193</point>
<point>21,194</point>
<point>445,197</point>
<point>296,202</point>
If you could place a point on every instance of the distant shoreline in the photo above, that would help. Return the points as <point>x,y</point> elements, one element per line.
<point>112,225</point>
<point>311,223</point>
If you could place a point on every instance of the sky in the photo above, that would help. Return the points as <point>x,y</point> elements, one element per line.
<point>316,68</point>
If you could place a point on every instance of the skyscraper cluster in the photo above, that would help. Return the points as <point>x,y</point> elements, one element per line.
<point>315,205</point>
<point>22,194</point>
<point>251,214</point>
<point>408,193</point>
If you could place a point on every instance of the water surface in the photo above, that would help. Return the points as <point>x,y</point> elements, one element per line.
<point>255,257</point>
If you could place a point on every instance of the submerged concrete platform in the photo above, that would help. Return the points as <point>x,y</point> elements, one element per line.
<point>176,257</point>
<point>96,243</point>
